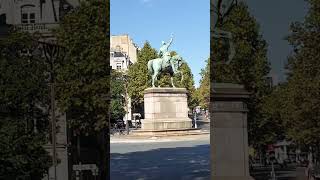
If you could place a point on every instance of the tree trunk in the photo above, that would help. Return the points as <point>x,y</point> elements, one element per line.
<point>104,169</point>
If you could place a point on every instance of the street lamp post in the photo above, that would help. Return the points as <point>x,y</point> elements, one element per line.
<point>125,78</point>
<point>197,111</point>
<point>195,119</point>
<point>52,52</point>
<point>127,124</point>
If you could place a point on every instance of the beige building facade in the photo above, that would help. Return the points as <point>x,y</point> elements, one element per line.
<point>124,44</point>
<point>33,16</point>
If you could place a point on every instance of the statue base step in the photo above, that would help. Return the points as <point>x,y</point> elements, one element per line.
<point>166,124</point>
<point>168,132</point>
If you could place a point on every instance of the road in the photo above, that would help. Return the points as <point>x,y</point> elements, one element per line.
<point>203,123</point>
<point>183,159</point>
<point>188,160</point>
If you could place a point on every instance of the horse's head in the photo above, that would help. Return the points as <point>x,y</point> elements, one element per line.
<point>178,61</point>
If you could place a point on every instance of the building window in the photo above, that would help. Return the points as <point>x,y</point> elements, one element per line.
<point>32,18</point>
<point>28,14</point>
<point>24,18</point>
<point>118,66</point>
<point>28,18</point>
<point>118,48</point>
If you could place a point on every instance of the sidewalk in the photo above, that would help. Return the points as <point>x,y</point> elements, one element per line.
<point>301,174</point>
<point>149,139</point>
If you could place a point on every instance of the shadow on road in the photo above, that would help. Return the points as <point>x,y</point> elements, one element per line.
<point>165,163</point>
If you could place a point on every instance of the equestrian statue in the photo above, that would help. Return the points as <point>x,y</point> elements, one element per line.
<point>165,63</point>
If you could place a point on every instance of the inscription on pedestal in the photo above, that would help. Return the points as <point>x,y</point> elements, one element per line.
<point>224,106</point>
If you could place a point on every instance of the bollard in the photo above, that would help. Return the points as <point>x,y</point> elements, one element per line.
<point>195,120</point>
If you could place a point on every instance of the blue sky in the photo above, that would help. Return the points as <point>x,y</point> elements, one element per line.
<point>155,20</point>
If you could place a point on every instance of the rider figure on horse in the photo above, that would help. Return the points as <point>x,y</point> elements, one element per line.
<point>165,54</point>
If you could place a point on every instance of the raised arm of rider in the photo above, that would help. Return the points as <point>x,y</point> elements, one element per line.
<point>171,39</point>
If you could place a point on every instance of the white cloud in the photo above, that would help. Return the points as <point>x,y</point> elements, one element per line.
<point>145,1</point>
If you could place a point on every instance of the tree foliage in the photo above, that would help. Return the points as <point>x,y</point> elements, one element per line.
<point>83,76</point>
<point>204,89</point>
<point>249,66</point>
<point>23,97</point>
<point>272,110</point>
<point>117,95</point>
<point>302,115</point>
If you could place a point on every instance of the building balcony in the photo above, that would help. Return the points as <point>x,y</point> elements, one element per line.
<point>43,28</point>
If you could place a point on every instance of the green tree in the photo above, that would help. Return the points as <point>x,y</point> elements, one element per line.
<point>273,107</point>
<point>187,82</point>
<point>23,97</point>
<point>204,89</point>
<point>117,95</point>
<point>139,77</point>
<point>83,79</point>
<point>83,76</point>
<point>249,67</point>
<point>301,117</point>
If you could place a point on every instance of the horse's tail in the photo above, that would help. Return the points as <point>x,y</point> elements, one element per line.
<point>150,69</point>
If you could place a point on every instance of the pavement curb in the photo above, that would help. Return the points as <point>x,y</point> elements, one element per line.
<point>139,139</point>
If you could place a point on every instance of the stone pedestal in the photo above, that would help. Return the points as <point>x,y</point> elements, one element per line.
<point>165,109</point>
<point>229,139</point>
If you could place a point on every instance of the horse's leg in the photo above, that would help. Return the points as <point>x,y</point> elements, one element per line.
<point>179,72</point>
<point>172,82</point>
<point>157,72</point>
<point>157,79</point>
<point>181,76</point>
<point>153,79</point>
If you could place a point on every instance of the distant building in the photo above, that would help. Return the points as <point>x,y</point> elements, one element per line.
<point>119,60</point>
<point>35,16</point>
<point>123,53</point>
<point>124,44</point>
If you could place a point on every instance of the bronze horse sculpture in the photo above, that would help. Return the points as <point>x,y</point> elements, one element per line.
<point>157,66</point>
